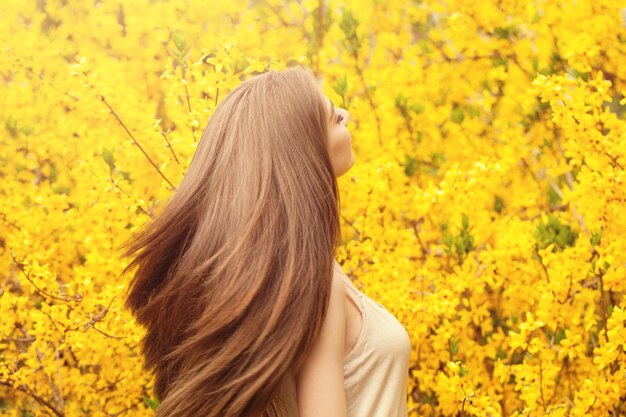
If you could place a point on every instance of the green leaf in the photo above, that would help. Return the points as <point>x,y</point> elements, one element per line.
<point>179,40</point>
<point>463,370</point>
<point>341,86</point>
<point>535,63</point>
<point>459,245</point>
<point>401,101</point>
<point>457,115</point>
<point>53,173</point>
<point>498,204</point>
<point>348,26</point>
<point>500,354</point>
<point>498,61</point>
<point>595,238</point>
<point>553,231</point>
<point>464,221</point>
<point>559,335</point>
<point>505,32</point>
<point>410,165</point>
<point>152,403</point>
<point>454,347</point>
<point>417,108</point>
<point>61,189</point>
<point>473,111</point>
<point>553,197</point>
<point>107,155</point>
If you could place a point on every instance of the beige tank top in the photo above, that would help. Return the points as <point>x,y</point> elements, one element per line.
<point>376,369</point>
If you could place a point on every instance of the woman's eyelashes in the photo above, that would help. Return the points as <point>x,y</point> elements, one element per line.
<point>339,118</point>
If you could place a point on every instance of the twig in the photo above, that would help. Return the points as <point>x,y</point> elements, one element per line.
<point>543,400</point>
<point>169,145</point>
<point>25,389</point>
<point>20,264</point>
<point>119,120</point>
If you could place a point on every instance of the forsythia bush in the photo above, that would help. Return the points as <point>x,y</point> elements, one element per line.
<point>486,208</point>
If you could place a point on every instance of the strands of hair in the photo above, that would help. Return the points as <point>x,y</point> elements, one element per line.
<point>232,278</point>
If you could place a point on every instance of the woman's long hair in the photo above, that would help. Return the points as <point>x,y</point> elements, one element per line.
<point>233,276</point>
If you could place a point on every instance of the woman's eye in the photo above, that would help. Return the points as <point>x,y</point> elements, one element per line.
<point>339,118</point>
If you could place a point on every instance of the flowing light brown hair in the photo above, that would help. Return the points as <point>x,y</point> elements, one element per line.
<point>233,276</point>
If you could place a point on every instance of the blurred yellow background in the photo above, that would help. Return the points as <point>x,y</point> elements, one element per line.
<point>485,207</point>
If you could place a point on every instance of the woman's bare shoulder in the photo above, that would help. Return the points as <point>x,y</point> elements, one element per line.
<point>320,382</point>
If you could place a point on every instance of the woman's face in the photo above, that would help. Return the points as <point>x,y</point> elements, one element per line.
<point>339,140</point>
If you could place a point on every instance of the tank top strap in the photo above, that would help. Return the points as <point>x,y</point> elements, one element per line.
<point>354,294</point>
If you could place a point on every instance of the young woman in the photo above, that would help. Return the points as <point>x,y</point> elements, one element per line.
<point>247,312</point>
